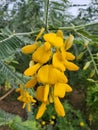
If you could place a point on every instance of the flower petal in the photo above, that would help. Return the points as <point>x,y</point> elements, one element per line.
<point>71,66</point>
<point>69,56</point>
<point>68,88</point>
<point>40,93</point>
<point>29,107</point>
<point>47,46</point>
<point>59,33</point>
<point>56,76</point>
<point>40,33</point>
<point>50,75</point>
<point>42,75</point>
<point>46,92</point>
<point>31,83</point>
<point>41,111</point>
<point>53,39</point>
<point>32,70</point>
<point>29,48</point>
<point>59,107</point>
<point>69,41</point>
<point>41,55</point>
<point>59,90</point>
<point>58,61</point>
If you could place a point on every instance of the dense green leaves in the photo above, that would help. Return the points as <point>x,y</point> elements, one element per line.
<point>16,123</point>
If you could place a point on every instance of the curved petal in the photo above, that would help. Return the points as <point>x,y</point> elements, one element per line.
<point>68,88</point>
<point>47,46</point>
<point>69,56</point>
<point>40,93</point>
<point>59,90</point>
<point>40,33</point>
<point>31,83</point>
<point>32,70</point>
<point>59,33</point>
<point>42,75</point>
<point>53,39</point>
<point>71,66</point>
<point>59,107</point>
<point>29,48</point>
<point>41,55</point>
<point>58,61</point>
<point>69,41</point>
<point>56,75</point>
<point>46,92</point>
<point>41,111</point>
<point>50,75</point>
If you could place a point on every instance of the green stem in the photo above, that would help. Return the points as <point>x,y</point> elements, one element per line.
<point>92,59</point>
<point>46,13</point>
<point>19,34</point>
<point>26,33</point>
<point>77,27</point>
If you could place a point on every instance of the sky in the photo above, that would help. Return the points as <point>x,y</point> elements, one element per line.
<point>74,10</point>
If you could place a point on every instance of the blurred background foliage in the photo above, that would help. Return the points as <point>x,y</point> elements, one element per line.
<point>20,22</point>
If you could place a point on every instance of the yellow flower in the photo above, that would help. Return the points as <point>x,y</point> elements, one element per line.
<point>26,98</point>
<point>32,70</point>
<point>31,83</point>
<point>68,42</point>
<point>60,58</point>
<point>41,110</point>
<point>42,54</point>
<point>29,48</point>
<point>53,39</point>
<point>50,75</point>
<point>60,89</point>
<point>59,107</point>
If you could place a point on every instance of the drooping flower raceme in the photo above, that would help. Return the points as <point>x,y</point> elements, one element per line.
<point>49,62</point>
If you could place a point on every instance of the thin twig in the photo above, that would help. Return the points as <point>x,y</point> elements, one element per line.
<point>18,34</point>
<point>46,13</point>
<point>92,60</point>
<point>6,94</point>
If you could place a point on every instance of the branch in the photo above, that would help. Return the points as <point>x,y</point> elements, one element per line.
<point>74,28</point>
<point>19,34</point>
<point>5,95</point>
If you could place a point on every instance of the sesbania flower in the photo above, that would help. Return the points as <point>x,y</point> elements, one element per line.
<point>25,97</point>
<point>47,68</point>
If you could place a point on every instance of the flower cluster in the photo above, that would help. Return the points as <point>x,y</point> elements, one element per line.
<point>50,60</point>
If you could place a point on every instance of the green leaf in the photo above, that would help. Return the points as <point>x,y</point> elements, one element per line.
<point>88,35</point>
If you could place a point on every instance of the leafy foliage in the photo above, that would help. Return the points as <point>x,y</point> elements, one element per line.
<point>9,46</point>
<point>16,123</point>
